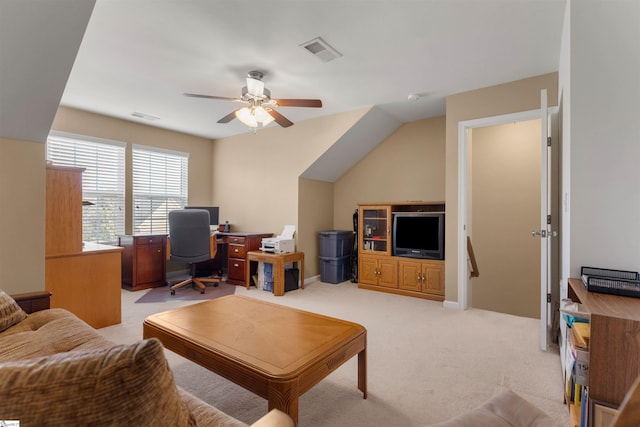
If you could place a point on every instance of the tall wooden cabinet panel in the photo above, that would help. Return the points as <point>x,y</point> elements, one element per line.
<point>143,261</point>
<point>379,269</point>
<point>64,210</point>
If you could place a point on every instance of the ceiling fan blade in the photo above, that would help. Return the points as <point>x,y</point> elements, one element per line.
<point>279,118</point>
<point>315,103</point>
<point>228,117</point>
<point>195,95</point>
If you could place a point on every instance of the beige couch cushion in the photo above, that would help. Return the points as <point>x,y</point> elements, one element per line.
<point>125,385</point>
<point>49,332</point>
<point>10,311</point>
<point>505,409</point>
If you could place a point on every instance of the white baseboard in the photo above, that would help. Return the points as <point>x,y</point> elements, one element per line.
<point>451,304</point>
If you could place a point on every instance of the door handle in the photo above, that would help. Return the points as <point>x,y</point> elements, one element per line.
<point>541,233</point>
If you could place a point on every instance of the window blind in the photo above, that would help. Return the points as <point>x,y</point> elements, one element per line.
<point>160,185</point>
<point>102,181</point>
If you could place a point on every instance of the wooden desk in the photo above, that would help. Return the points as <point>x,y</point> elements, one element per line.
<point>274,351</point>
<point>278,261</point>
<point>87,283</point>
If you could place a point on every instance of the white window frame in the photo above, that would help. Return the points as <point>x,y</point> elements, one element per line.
<point>103,181</point>
<point>160,183</point>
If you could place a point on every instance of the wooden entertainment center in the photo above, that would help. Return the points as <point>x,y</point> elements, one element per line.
<point>379,269</point>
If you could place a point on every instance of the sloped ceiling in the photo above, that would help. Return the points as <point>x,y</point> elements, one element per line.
<point>39,41</point>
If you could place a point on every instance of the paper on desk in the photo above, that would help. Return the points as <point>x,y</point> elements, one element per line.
<point>288,232</point>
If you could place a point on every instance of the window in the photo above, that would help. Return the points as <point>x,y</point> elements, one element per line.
<point>102,181</point>
<point>160,179</point>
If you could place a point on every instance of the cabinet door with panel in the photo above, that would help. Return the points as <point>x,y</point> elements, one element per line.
<point>374,229</point>
<point>378,271</point>
<point>421,276</point>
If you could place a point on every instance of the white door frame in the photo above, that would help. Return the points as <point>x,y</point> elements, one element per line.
<point>463,136</point>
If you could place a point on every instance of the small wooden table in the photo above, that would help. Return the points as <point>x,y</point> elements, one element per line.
<point>274,351</point>
<point>278,260</point>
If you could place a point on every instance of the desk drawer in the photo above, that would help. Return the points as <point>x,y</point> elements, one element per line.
<point>237,251</point>
<point>236,269</point>
<point>149,240</point>
<point>236,240</point>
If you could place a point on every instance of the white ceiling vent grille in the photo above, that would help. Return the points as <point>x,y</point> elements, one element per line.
<point>321,49</point>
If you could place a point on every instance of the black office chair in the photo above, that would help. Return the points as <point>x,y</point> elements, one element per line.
<point>190,241</point>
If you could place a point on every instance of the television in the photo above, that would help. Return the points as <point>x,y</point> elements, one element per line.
<point>418,235</point>
<point>213,213</point>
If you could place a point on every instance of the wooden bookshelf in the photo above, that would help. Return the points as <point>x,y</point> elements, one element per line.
<point>614,345</point>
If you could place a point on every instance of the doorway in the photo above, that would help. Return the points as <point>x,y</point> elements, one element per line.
<point>465,203</point>
<point>503,205</point>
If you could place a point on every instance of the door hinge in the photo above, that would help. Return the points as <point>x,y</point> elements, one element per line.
<point>548,297</point>
<point>548,141</point>
<point>548,219</point>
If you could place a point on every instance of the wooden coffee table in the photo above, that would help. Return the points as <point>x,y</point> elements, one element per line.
<point>274,351</point>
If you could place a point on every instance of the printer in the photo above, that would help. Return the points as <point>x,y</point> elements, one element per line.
<point>282,243</point>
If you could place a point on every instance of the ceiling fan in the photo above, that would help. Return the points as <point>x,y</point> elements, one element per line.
<point>260,108</point>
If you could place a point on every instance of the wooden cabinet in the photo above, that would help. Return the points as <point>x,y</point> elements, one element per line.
<point>143,261</point>
<point>379,269</point>
<point>422,276</point>
<point>82,278</point>
<point>614,344</point>
<point>238,244</point>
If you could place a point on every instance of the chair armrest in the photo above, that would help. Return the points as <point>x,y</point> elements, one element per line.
<point>275,418</point>
<point>33,301</point>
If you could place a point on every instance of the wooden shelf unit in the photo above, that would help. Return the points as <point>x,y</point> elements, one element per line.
<point>379,270</point>
<point>614,345</point>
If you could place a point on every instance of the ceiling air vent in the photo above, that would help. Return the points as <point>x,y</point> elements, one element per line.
<point>144,116</point>
<point>321,49</point>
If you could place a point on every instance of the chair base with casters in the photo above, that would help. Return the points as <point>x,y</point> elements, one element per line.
<point>198,281</point>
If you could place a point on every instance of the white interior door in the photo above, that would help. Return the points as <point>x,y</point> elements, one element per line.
<point>545,232</point>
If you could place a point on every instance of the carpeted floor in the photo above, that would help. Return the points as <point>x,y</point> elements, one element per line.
<point>163,294</point>
<point>425,363</point>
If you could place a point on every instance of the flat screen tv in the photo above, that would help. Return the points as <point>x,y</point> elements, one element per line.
<point>213,213</point>
<point>418,235</point>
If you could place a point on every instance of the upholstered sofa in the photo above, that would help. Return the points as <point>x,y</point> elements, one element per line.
<point>57,370</point>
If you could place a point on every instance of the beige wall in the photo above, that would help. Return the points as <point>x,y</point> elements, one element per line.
<point>505,190</point>
<point>315,213</point>
<point>99,126</point>
<point>521,95</point>
<point>22,214</point>
<point>256,177</point>
<point>409,165</point>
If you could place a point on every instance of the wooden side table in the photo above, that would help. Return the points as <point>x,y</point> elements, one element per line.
<point>278,260</point>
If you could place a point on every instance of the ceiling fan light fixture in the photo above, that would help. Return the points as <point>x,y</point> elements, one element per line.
<point>262,116</point>
<point>246,116</point>
<point>252,116</point>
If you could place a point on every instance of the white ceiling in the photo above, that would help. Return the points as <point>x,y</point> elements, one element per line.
<point>142,55</point>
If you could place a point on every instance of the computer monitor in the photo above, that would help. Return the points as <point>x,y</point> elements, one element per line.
<point>213,213</point>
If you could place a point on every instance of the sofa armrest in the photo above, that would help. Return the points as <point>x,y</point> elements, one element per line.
<point>33,301</point>
<point>275,418</point>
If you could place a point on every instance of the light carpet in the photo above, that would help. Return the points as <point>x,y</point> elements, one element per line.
<point>187,293</point>
<point>425,363</point>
